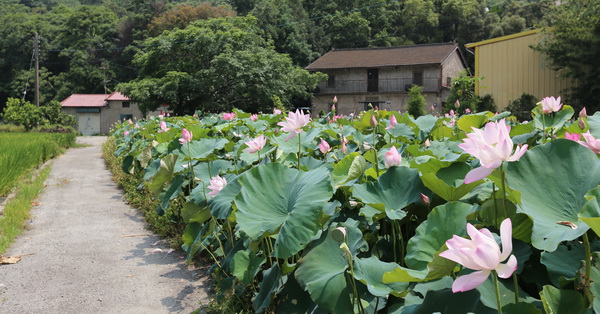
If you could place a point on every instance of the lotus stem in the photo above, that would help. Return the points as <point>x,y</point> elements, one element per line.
<point>543,128</point>
<point>516,283</point>
<point>191,186</point>
<point>299,150</point>
<point>588,268</point>
<point>495,206</point>
<point>503,179</point>
<point>499,303</point>
<point>394,242</point>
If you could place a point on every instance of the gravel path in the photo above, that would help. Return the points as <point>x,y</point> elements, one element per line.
<point>92,253</point>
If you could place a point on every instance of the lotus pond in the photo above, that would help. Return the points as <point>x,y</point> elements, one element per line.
<point>381,212</point>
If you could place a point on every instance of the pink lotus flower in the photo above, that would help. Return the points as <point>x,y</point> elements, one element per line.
<point>573,137</point>
<point>254,117</point>
<point>186,136</point>
<point>324,147</point>
<point>491,146</point>
<point>216,185</point>
<point>373,121</point>
<point>256,144</point>
<point>129,121</point>
<point>276,111</point>
<point>467,110</point>
<point>392,158</point>
<point>125,133</point>
<point>482,254</point>
<point>591,142</point>
<point>137,126</point>
<point>334,100</point>
<point>583,113</point>
<point>427,143</point>
<point>344,148</point>
<point>551,104</point>
<point>228,115</point>
<point>294,123</point>
<point>393,123</point>
<point>163,127</point>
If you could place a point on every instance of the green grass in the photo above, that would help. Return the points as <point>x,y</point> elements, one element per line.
<point>17,209</point>
<point>21,152</point>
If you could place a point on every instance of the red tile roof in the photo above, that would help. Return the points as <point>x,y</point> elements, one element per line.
<point>117,96</point>
<point>382,57</point>
<point>85,100</point>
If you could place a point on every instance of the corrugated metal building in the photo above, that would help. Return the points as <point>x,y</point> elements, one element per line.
<point>510,67</point>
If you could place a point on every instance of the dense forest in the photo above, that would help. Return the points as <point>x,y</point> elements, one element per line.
<point>90,46</point>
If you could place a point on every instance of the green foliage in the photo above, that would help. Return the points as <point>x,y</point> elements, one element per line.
<point>522,107</point>
<point>24,113</point>
<point>416,101</point>
<point>463,92</point>
<point>573,46</point>
<point>215,65</point>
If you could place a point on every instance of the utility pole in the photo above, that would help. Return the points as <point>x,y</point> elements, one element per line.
<point>36,50</point>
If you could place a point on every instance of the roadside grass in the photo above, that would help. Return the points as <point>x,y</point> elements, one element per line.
<point>138,196</point>
<point>21,152</point>
<point>17,209</point>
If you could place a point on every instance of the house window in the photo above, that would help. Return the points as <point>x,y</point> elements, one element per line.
<point>372,80</point>
<point>125,104</point>
<point>124,117</point>
<point>331,81</point>
<point>449,81</point>
<point>418,78</point>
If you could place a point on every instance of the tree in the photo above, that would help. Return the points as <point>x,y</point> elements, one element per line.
<point>573,47</point>
<point>182,15</point>
<point>416,101</point>
<point>462,94</point>
<point>215,65</point>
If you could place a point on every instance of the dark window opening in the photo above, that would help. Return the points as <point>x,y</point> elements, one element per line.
<point>124,117</point>
<point>331,81</point>
<point>372,80</point>
<point>126,104</point>
<point>418,78</point>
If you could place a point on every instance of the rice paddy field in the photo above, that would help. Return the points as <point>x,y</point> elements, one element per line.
<point>21,152</point>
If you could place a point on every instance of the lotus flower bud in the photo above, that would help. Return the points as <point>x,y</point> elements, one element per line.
<point>425,199</point>
<point>581,123</point>
<point>457,104</point>
<point>583,113</point>
<point>373,121</point>
<point>335,100</point>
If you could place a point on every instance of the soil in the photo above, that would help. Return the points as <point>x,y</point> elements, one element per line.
<point>86,251</point>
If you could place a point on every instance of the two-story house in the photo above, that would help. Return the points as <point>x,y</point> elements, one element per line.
<point>382,76</point>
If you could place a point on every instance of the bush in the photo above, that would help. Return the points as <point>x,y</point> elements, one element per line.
<point>487,103</point>
<point>463,91</point>
<point>24,113</point>
<point>522,106</point>
<point>416,101</point>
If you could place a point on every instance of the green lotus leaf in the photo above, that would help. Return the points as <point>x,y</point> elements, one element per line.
<point>443,222</point>
<point>290,202</point>
<point>553,179</point>
<point>190,212</point>
<point>562,301</point>
<point>590,213</point>
<point>594,124</point>
<point>349,168</point>
<point>467,122</point>
<point>164,174</point>
<point>397,188</point>
<point>554,120</point>
<point>271,282</point>
<point>245,265</point>
<point>370,272</point>
<point>321,271</point>
<point>202,148</point>
<point>563,264</point>
<point>221,204</point>
<point>448,182</point>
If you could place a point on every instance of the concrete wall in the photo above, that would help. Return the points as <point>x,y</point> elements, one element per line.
<point>112,114</point>
<point>355,103</point>
<point>451,67</point>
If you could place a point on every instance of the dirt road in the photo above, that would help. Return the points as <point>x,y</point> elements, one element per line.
<point>91,251</point>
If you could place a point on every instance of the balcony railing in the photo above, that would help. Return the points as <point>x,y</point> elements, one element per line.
<point>382,85</point>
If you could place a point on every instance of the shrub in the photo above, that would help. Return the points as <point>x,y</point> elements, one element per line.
<point>24,113</point>
<point>416,101</point>
<point>463,90</point>
<point>522,106</point>
<point>487,103</point>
